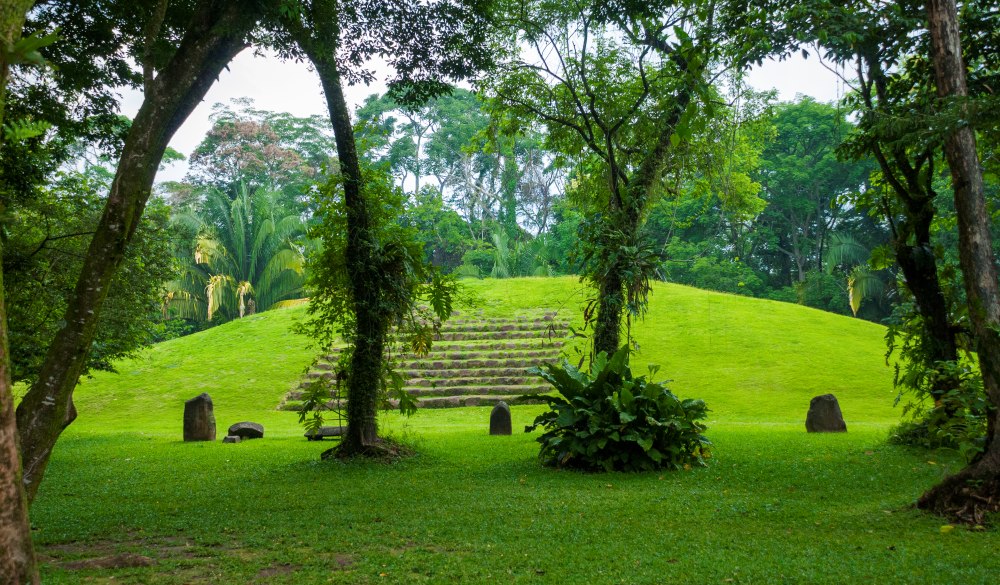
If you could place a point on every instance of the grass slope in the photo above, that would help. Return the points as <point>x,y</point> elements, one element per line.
<point>775,506</point>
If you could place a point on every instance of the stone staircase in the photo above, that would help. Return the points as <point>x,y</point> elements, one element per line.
<point>473,361</point>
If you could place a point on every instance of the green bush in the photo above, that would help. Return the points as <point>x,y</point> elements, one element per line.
<point>609,420</point>
<point>954,420</point>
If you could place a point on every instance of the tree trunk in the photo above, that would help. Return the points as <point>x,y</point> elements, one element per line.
<point>626,215</point>
<point>371,329</point>
<point>215,35</point>
<point>17,555</point>
<point>607,327</point>
<point>938,337</point>
<point>975,490</point>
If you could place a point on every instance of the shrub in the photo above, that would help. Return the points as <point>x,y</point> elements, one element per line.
<point>955,420</point>
<point>609,420</point>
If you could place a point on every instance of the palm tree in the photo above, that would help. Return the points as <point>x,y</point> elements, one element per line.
<point>862,282</point>
<point>248,255</point>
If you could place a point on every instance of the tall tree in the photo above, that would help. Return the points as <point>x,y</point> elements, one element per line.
<point>893,103</point>
<point>621,102</point>
<point>427,44</point>
<point>975,490</point>
<point>17,555</point>
<point>261,149</point>
<point>179,65</point>
<point>804,183</point>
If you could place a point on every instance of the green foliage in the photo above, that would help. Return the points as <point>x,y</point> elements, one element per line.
<point>45,240</point>
<point>414,297</point>
<point>441,230</point>
<point>19,130</point>
<point>954,418</point>
<point>609,420</point>
<point>956,421</point>
<point>243,255</point>
<point>257,149</point>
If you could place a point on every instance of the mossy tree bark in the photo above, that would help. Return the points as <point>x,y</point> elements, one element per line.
<point>17,555</point>
<point>217,32</point>
<point>319,42</point>
<point>975,490</point>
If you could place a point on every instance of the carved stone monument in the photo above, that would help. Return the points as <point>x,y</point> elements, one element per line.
<point>500,419</point>
<point>824,415</point>
<point>199,419</point>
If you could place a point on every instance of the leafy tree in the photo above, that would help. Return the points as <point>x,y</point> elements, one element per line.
<point>894,106</point>
<point>428,43</point>
<point>247,256</point>
<point>181,49</point>
<point>45,242</point>
<point>600,98</point>
<point>439,228</point>
<point>491,178</point>
<point>621,89</point>
<point>805,184</point>
<point>259,149</point>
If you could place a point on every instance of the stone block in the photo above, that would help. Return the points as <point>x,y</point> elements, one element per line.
<point>824,415</point>
<point>500,419</point>
<point>199,419</point>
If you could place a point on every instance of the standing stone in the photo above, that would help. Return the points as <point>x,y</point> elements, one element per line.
<point>247,430</point>
<point>824,415</point>
<point>199,419</point>
<point>500,419</point>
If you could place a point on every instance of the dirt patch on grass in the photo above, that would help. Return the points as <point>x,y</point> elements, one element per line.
<point>386,450</point>
<point>117,561</point>
<point>275,570</point>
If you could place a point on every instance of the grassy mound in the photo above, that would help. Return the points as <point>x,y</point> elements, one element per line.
<point>124,498</point>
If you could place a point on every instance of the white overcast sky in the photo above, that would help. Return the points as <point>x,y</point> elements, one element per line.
<point>291,87</point>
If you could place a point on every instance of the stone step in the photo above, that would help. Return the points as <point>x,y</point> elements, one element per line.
<point>464,373</point>
<point>559,328</point>
<point>486,390</point>
<point>498,345</point>
<point>477,400</point>
<point>474,360</point>
<point>436,364</point>
<point>470,381</point>
<point>488,354</point>
<point>487,335</point>
<point>547,316</point>
<point>538,347</point>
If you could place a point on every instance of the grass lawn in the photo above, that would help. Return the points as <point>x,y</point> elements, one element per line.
<point>775,504</point>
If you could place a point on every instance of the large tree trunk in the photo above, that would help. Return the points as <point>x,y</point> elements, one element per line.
<point>975,490</point>
<point>371,330</point>
<point>17,556</point>
<point>919,267</point>
<point>608,323</point>
<point>626,208</point>
<point>216,34</point>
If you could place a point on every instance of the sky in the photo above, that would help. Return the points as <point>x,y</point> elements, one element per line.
<point>291,87</point>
